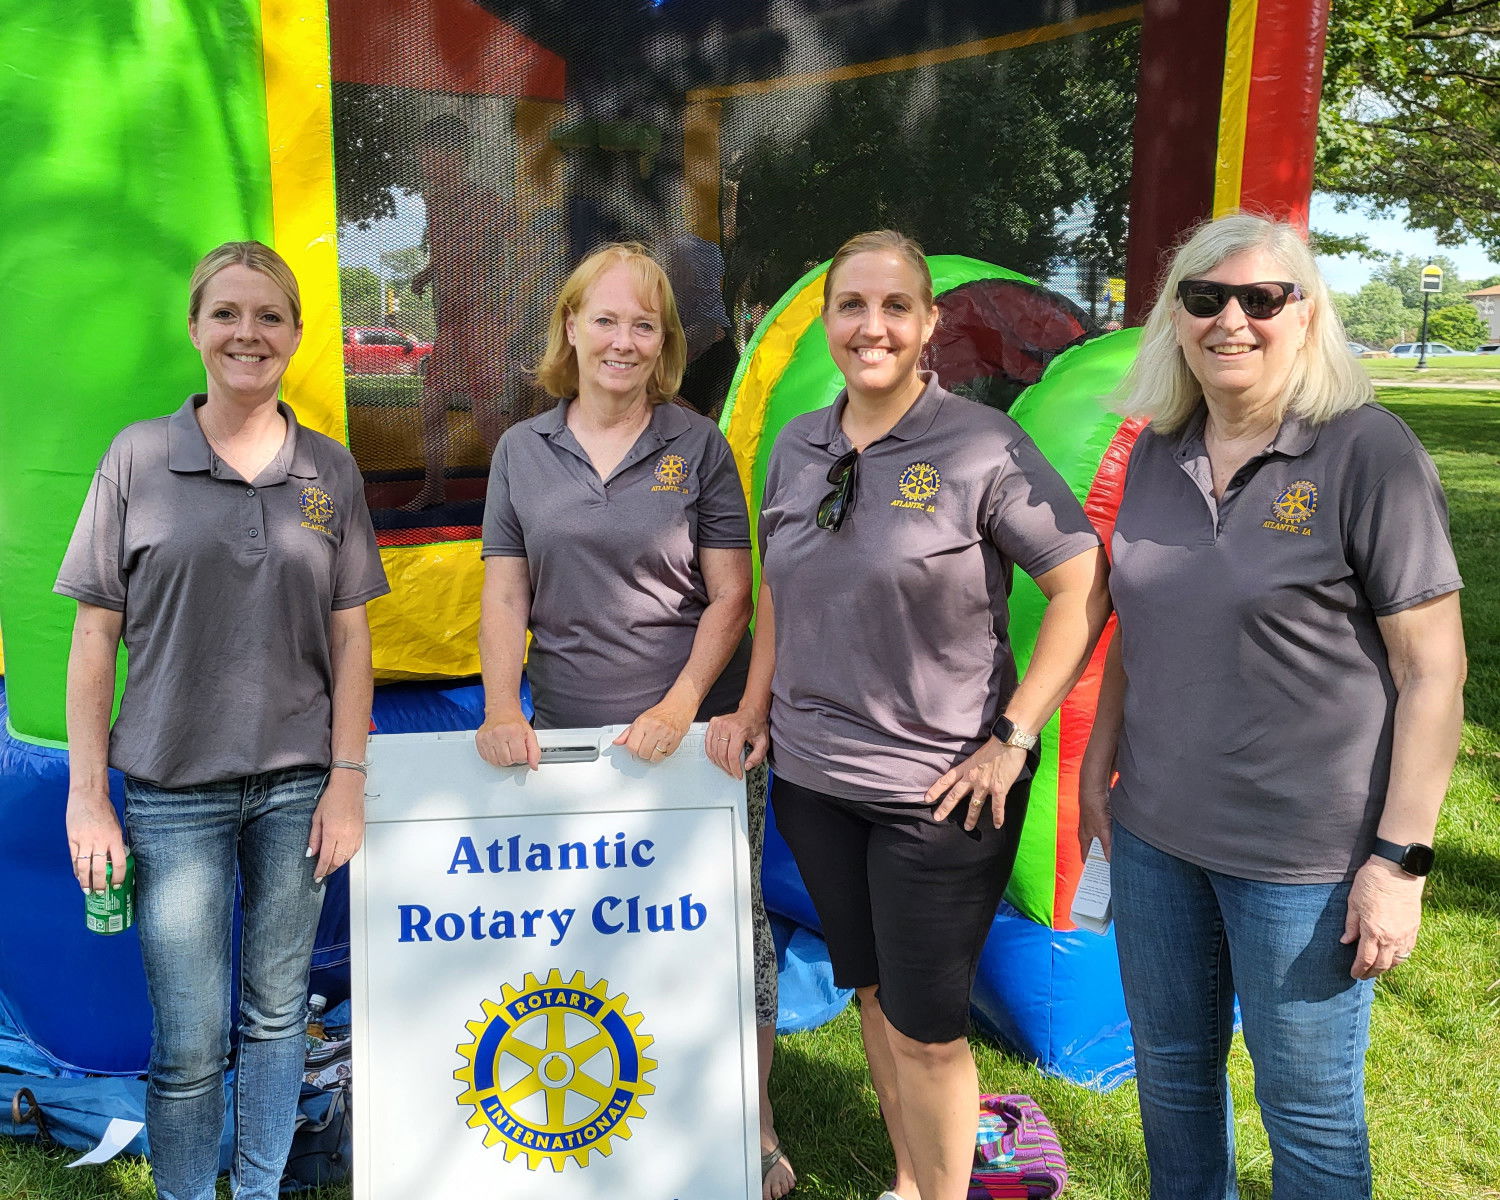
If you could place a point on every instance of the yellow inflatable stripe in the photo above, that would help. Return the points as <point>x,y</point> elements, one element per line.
<point>747,423</point>
<point>1239,56</point>
<point>428,627</point>
<point>299,120</point>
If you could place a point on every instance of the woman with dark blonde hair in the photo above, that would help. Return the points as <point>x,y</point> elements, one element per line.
<point>230,548</point>
<point>615,530</point>
<point>1279,715</point>
<point>884,686</point>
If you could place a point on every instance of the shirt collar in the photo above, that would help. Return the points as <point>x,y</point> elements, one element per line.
<point>1295,436</point>
<point>914,422</point>
<point>188,449</point>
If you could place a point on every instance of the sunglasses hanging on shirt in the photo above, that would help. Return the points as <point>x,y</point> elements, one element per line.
<point>1258,301</point>
<point>840,502</point>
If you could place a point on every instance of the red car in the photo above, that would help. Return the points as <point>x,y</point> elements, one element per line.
<point>380,350</point>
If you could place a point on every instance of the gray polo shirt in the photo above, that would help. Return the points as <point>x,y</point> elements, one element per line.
<point>893,655</point>
<point>616,589</point>
<point>226,590</point>
<point>1259,702</point>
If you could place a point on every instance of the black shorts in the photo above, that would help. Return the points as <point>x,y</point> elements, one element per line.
<point>906,902</point>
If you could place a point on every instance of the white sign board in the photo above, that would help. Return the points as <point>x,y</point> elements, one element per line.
<point>1432,279</point>
<point>552,976</point>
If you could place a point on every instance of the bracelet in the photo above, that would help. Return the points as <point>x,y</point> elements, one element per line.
<point>362,767</point>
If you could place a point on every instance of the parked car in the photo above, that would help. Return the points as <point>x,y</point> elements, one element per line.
<point>1414,349</point>
<point>1358,348</point>
<point>380,350</point>
<point>1489,348</point>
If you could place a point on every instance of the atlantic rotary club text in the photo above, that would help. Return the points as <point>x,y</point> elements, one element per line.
<point>609,915</point>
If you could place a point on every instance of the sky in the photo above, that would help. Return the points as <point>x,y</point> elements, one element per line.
<point>1351,272</point>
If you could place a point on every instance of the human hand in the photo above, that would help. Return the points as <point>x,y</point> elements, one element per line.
<point>1093,821</point>
<point>95,839</point>
<point>987,774</point>
<point>730,737</point>
<point>508,740</point>
<point>657,732</point>
<point>1384,914</point>
<point>338,827</point>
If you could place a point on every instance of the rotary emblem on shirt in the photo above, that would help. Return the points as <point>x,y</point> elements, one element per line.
<point>317,509</point>
<point>556,1070</point>
<point>671,473</point>
<point>1293,508</point>
<point>918,484</point>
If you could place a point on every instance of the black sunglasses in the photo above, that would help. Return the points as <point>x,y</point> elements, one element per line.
<point>840,502</point>
<point>1259,301</point>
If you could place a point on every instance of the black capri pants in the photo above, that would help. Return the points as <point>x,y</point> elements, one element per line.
<point>906,902</point>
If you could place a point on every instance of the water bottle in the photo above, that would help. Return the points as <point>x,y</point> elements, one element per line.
<point>316,1034</point>
<point>113,909</point>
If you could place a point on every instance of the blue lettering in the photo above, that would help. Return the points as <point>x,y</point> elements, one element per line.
<point>414,918</point>
<point>464,855</point>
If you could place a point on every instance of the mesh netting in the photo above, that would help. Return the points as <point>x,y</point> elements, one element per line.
<point>483,150</point>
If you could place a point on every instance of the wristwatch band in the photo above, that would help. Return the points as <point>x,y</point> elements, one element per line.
<point>1005,731</point>
<point>1415,858</point>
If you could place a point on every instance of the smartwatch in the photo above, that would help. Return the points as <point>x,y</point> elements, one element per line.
<point>1413,858</point>
<point>1004,730</point>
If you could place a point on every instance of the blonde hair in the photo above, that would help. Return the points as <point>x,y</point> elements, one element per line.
<point>1325,380</point>
<point>887,240</point>
<point>255,255</point>
<point>557,370</point>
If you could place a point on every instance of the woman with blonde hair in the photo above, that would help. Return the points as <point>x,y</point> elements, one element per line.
<point>1279,716</point>
<point>615,530</point>
<point>230,548</point>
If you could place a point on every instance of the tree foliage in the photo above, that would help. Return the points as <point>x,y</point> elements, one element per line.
<point>1375,315</point>
<point>1458,325</point>
<point>1404,272</point>
<point>1411,113</point>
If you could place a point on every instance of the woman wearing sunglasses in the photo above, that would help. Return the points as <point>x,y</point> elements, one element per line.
<point>615,531</point>
<point>883,680</point>
<point>1282,706</point>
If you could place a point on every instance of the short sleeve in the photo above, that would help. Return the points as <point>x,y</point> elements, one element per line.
<point>1033,517</point>
<point>1398,541</point>
<point>93,569</point>
<point>768,491</point>
<point>359,575</point>
<point>723,520</point>
<point>501,531</point>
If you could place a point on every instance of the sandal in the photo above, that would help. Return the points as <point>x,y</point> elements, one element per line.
<point>768,1160</point>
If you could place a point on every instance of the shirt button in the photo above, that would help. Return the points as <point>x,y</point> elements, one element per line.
<point>255,533</point>
<point>249,491</point>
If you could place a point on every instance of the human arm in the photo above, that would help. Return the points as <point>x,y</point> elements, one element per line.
<point>1424,645</point>
<point>731,735</point>
<point>1098,765</point>
<point>726,578</point>
<point>94,834</point>
<point>506,738</point>
<point>338,828</point>
<point>1078,605</point>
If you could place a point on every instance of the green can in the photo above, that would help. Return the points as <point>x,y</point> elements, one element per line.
<point>113,909</point>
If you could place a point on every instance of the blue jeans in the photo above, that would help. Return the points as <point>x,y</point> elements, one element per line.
<point>188,843</point>
<point>1190,940</point>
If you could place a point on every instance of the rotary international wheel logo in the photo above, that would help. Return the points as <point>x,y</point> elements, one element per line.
<point>920,482</point>
<point>317,508</point>
<point>1296,502</point>
<point>671,470</point>
<point>555,1070</point>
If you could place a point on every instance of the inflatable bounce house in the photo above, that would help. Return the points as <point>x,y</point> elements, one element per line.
<point>432,169</point>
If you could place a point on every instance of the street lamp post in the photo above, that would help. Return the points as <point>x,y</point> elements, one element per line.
<point>1432,281</point>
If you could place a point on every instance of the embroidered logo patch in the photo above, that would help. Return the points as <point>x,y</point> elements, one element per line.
<point>671,473</point>
<point>918,484</point>
<point>317,509</point>
<point>1293,508</point>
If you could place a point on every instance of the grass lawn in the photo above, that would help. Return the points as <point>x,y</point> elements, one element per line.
<point>1434,1069</point>
<point>1458,368</point>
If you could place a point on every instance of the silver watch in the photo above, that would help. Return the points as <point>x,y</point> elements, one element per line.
<point>1006,732</point>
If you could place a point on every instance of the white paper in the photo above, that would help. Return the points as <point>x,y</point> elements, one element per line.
<point>1092,907</point>
<point>117,1136</point>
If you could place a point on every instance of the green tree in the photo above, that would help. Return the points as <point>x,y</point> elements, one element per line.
<point>1411,113</point>
<point>1458,326</point>
<point>1374,315</point>
<point>359,295</point>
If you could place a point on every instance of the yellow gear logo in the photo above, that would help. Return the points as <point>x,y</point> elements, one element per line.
<point>671,470</point>
<point>555,1070</point>
<point>316,505</point>
<point>1296,502</point>
<point>920,482</point>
